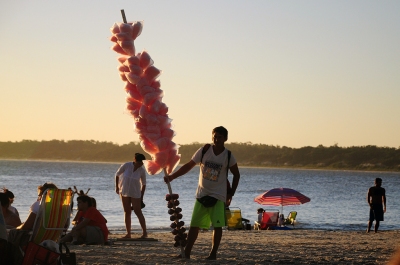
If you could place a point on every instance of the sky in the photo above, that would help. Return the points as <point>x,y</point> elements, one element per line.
<point>288,73</point>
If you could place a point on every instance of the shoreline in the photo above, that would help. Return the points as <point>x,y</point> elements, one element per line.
<point>121,231</point>
<point>262,167</point>
<point>251,247</point>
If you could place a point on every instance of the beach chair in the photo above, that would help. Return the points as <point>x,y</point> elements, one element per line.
<point>233,218</point>
<point>269,220</point>
<point>291,218</point>
<point>53,216</point>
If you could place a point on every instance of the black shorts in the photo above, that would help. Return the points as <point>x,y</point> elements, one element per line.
<point>376,212</point>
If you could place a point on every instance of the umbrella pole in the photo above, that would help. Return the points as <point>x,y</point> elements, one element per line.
<point>170,193</point>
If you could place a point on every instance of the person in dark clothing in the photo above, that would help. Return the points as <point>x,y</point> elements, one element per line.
<point>376,199</point>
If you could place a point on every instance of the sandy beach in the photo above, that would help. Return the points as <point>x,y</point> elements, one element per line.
<point>252,247</point>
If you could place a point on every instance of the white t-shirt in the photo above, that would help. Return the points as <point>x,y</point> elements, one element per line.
<point>213,173</point>
<point>35,207</point>
<point>131,182</point>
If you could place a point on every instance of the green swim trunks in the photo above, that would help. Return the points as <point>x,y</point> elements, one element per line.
<point>203,217</point>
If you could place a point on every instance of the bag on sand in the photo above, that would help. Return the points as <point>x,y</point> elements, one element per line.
<point>67,258</point>
<point>37,254</point>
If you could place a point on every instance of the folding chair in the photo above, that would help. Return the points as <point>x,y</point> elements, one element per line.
<point>53,216</point>
<point>269,220</point>
<point>291,218</point>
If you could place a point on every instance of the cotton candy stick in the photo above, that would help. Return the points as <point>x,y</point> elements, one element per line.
<point>144,103</point>
<point>123,15</point>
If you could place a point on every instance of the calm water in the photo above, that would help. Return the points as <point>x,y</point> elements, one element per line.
<point>338,198</point>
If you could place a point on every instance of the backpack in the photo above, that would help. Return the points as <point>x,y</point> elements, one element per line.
<point>205,149</point>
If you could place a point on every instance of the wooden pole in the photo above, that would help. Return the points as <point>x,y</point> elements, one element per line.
<point>123,16</point>
<point>165,171</point>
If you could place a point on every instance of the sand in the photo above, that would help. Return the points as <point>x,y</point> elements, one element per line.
<point>252,247</point>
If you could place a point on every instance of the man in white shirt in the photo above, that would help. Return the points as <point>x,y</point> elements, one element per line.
<point>211,194</point>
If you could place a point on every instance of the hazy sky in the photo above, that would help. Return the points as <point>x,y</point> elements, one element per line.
<point>288,73</point>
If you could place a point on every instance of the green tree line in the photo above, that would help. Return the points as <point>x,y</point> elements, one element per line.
<point>368,157</point>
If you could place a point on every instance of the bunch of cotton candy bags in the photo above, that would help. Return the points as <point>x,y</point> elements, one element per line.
<point>144,99</point>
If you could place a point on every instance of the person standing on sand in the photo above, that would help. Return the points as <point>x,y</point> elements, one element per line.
<point>376,197</point>
<point>130,185</point>
<point>212,186</point>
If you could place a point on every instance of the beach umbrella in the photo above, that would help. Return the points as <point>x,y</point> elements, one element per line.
<point>281,197</point>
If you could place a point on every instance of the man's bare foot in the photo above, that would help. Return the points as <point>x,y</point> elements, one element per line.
<point>144,235</point>
<point>126,236</point>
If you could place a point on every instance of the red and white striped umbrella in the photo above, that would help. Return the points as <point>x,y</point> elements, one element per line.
<point>281,197</point>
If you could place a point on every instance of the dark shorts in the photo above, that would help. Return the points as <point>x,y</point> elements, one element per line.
<point>376,212</point>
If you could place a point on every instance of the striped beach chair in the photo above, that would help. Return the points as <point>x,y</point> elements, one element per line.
<point>53,216</point>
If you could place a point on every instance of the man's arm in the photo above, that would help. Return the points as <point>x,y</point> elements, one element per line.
<point>116,184</point>
<point>236,176</point>
<point>30,221</point>
<point>142,191</point>
<point>384,200</point>
<point>369,196</point>
<point>75,218</point>
<point>143,183</point>
<point>120,170</point>
<point>235,182</point>
<point>81,225</point>
<point>181,171</point>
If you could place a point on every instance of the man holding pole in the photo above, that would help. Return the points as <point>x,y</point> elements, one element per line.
<point>211,194</point>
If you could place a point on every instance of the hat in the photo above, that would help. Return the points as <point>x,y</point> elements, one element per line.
<point>140,156</point>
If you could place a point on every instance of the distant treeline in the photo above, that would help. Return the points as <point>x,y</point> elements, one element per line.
<point>247,154</point>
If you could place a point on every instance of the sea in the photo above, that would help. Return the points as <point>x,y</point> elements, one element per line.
<point>338,198</point>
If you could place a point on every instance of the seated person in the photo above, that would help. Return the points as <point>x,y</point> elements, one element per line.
<point>78,216</point>
<point>257,223</point>
<point>11,197</point>
<point>89,224</point>
<point>34,209</point>
<point>19,236</point>
<point>94,202</point>
<point>11,219</point>
<point>281,220</point>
